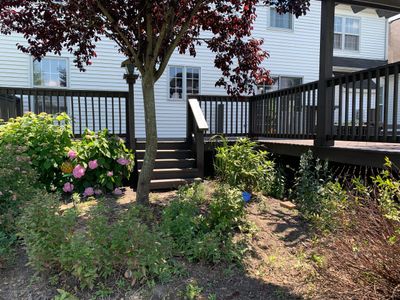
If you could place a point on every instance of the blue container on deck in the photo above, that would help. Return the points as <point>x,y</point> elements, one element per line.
<point>246,196</point>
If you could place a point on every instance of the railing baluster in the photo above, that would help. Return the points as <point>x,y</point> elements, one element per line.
<point>361,109</point>
<point>353,107</point>
<point>347,103</point>
<point>386,105</point>
<point>369,100</point>
<point>395,103</point>
<point>120,114</point>
<point>340,119</point>
<point>80,113</point>
<point>377,103</point>
<point>93,115</point>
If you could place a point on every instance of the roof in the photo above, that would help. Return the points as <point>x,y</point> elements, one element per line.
<point>390,5</point>
<point>357,63</point>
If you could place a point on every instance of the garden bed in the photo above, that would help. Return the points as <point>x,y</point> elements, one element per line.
<point>276,266</point>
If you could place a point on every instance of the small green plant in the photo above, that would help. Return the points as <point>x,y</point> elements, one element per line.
<point>18,183</point>
<point>203,229</point>
<point>103,248</point>
<point>44,139</point>
<point>319,200</point>
<point>243,166</point>
<point>193,291</point>
<point>64,295</point>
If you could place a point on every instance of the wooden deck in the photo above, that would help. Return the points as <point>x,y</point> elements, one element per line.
<point>356,153</point>
<point>371,154</point>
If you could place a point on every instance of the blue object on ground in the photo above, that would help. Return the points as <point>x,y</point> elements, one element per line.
<point>246,196</point>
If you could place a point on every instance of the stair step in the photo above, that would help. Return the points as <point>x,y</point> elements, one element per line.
<point>170,153</point>
<point>165,145</point>
<point>175,173</point>
<point>165,163</point>
<point>174,183</point>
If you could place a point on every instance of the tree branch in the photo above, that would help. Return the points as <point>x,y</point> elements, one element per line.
<point>122,35</point>
<point>177,39</point>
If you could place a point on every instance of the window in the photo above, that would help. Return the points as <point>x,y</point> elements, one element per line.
<point>50,72</point>
<point>183,81</point>
<point>280,83</point>
<point>347,34</point>
<point>277,20</point>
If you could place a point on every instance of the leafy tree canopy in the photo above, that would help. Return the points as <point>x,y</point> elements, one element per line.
<point>148,31</point>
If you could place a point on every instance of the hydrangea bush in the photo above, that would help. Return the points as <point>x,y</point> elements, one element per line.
<point>96,164</point>
<point>44,138</point>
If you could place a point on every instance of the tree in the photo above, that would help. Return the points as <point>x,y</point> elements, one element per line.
<point>147,32</point>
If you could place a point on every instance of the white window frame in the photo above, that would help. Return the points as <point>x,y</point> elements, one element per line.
<point>280,81</point>
<point>67,109</point>
<point>343,34</point>
<point>291,29</point>
<point>66,59</point>
<point>184,81</point>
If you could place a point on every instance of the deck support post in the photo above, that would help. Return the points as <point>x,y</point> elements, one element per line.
<point>325,95</point>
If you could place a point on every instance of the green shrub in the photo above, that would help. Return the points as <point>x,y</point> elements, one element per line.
<point>319,200</point>
<point>18,183</point>
<point>104,160</point>
<point>56,241</point>
<point>243,166</point>
<point>44,138</point>
<point>204,230</point>
<point>45,229</point>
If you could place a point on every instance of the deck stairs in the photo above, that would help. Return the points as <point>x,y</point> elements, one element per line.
<point>175,164</point>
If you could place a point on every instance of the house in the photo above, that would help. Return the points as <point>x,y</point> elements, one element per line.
<point>394,39</point>
<point>360,42</point>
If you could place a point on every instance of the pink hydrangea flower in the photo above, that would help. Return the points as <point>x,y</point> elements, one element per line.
<point>110,173</point>
<point>117,192</point>
<point>93,164</point>
<point>68,187</point>
<point>72,154</point>
<point>123,161</point>
<point>98,192</point>
<point>89,191</point>
<point>78,171</point>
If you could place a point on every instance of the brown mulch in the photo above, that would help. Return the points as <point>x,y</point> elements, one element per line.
<point>277,267</point>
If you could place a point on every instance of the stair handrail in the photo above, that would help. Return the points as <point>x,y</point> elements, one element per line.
<point>196,128</point>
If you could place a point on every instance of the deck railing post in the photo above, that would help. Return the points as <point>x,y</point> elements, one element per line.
<point>130,111</point>
<point>325,96</point>
<point>250,118</point>
<point>189,123</point>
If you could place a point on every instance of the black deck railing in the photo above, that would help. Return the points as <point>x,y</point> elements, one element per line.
<point>95,110</point>
<point>287,113</point>
<point>225,115</point>
<point>365,107</point>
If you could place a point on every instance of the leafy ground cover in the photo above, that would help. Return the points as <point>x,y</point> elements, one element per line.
<point>275,266</point>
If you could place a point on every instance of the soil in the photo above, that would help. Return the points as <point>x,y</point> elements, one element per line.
<point>276,268</point>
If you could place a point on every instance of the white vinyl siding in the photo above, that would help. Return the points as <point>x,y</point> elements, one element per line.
<point>292,53</point>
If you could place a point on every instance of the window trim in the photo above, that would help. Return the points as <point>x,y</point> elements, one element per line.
<point>343,34</point>
<point>67,69</point>
<point>287,76</point>
<point>184,81</point>
<point>269,22</point>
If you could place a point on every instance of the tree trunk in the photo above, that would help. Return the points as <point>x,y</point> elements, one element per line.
<point>143,188</point>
